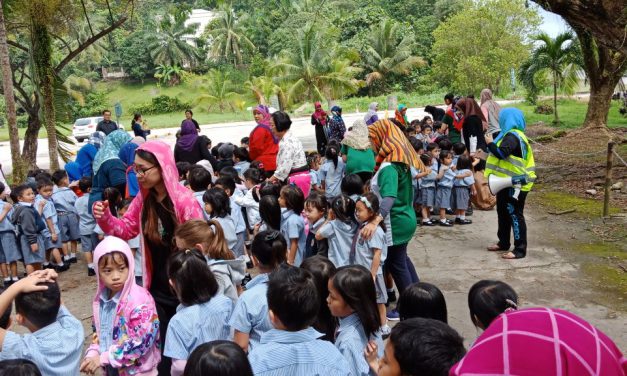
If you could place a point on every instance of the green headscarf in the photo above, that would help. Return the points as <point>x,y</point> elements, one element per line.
<point>110,148</point>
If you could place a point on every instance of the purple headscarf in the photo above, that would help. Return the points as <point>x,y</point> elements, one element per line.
<point>189,135</point>
<point>265,114</point>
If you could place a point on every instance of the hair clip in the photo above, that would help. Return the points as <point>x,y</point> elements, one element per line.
<point>365,201</point>
<point>292,184</point>
<point>272,236</point>
<point>188,251</point>
<point>512,306</point>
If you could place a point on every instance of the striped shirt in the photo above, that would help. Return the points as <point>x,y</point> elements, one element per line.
<point>250,314</point>
<point>351,341</point>
<point>107,317</point>
<point>297,353</point>
<point>48,212</point>
<point>194,325</point>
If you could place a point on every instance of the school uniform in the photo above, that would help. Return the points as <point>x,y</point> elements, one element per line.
<point>229,274</point>
<point>194,325</point>
<point>351,340</point>
<point>293,227</point>
<point>340,236</point>
<point>314,176</point>
<point>362,254</point>
<point>198,197</point>
<point>240,224</point>
<point>308,355</point>
<point>427,189</point>
<point>332,177</point>
<point>445,186</point>
<point>64,200</point>
<point>86,224</point>
<point>250,314</point>
<point>241,167</point>
<point>49,212</point>
<point>316,247</point>
<point>414,182</point>
<point>461,192</point>
<point>228,227</point>
<point>30,226</point>
<point>107,310</point>
<point>10,250</point>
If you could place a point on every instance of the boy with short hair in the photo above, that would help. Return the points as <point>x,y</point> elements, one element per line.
<point>293,306</point>
<point>9,250</point>
<point>64,200</point>
<point>56,337</point>
<point>241,160</point>
<point>86,225</point>
<point>199,179</point>
<point>30,227</point>
<point>228,185</point>
<point>245,143</point>
<point>52,241</point>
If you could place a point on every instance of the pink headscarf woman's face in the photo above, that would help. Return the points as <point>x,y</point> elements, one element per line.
<point>148,174</point>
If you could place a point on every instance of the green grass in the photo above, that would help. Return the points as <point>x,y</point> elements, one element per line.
<point>560,201</point>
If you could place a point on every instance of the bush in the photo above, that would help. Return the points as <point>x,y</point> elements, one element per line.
<point>544,109</point>
<point>95,103</point>
<point>162,104</point>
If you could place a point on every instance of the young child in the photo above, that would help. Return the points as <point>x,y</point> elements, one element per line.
<point>322,270</point>
<point>18,367</point>
<point>203,314</point>
<point>125,316</point>
<point>52,241</point>
<point>292,202</point>
<point>10,252</point>
<point>445,179</point>
<point>208,237</point>
<point>199,180</point>
<point>459,149</point>
<point>352,186</point>
<point>218,207</point>
<point>487,299</point>
<point>410,132</point>
<point>313,161</point>
<point>424,300</point>
<point>439,130</point>
<point>253,177</point>
<point>461,187</point>
<point>30,226</point>
<point>331,172</point>
<point>245,143</point>
<point>225,154</point>
<point>270,213</point>
<point>250,315</point>
<point>425,135</point>
<point>352,300</point>
<point>87,225</point>
<point>339,229</point>
<point>427,190</point>
<point>228,185</point>
<point>56,337</point>
<point>371,253</point>
<point>433,150</point>
<point>315,211</point>
<point>293,307</point>
<point>241,160</point>
<point>222,358</point>
<point>183,169</point>
<point>64,200</point>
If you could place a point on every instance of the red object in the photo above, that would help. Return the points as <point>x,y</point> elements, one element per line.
<point>78,191</point>
<point>262,147</point>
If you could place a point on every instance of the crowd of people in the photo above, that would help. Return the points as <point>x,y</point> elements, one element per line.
<point>260,258</point>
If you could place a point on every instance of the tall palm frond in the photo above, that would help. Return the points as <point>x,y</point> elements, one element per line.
<point>228,38</point>
<point>216,89</point>
<point>168,45</point>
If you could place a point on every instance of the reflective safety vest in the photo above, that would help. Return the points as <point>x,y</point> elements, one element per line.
<point>512,165</point>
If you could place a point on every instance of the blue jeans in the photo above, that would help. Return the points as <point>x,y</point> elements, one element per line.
<point>401,267</point>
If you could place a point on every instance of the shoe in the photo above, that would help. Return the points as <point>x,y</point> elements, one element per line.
<point>446,223</point>
<point>246,279</point>
<point>61,268</point>
<point>391,296</point>
<point>464,221</point>
<point>428,223</point>
<point>91,272</point>
<point>385,331</point>
<point>449,211</point>
<point>73,260</point>
<point>393,315</point>
<point>49,266</point>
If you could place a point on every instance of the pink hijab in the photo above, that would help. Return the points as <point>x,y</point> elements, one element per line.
<point>542,342</point>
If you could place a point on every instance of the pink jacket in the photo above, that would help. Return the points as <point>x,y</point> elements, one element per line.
<point>185,205</point>
<point>135,346</point>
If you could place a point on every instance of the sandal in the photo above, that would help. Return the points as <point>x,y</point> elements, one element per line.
<point>513,255</point>
<point>496,248</point>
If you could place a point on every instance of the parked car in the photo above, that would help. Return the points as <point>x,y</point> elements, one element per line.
<point>84,127</point>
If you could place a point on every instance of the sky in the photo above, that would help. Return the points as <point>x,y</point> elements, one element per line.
<point>552,23</point>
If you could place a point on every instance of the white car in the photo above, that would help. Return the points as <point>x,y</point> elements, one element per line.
<point>84,127</point>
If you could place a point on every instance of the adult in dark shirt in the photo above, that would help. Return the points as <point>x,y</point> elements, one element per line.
<point>106,125</point>
<point>138,128</point>
<point>189,116</point>
<point>190,147</point>
<point>472,126</point>
<point>436,113</point>
<point>109,169</point>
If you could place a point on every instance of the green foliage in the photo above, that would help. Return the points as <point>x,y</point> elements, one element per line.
<point>168,46</point>
<point>228,40</point>
<point>93,105</point>
<point>162,104</point>
<point>168,74</point>
<point>217,90</point>
<point>134,56</point>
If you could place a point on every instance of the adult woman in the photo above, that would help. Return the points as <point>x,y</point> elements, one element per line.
<point>87,153</point>
<point>189,115</point>
<point>158,209</point>
<point>138,127</point>
<point>337,128</point>
<point>357,153</point>
<point>371,115</point>
<point>319,120</point>
<point>400,115</point>
<point>109,170</point>
<point>472,126</point>
<point>454,121</point>
<point>393,181</point>
<point>127,155</point>
<point>490,110</point>
<point>263,145</point>
<point>291,164</point>
<point>189,147</point>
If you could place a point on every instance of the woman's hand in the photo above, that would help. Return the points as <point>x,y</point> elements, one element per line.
<point>368,230</point>
<point>99,209</point>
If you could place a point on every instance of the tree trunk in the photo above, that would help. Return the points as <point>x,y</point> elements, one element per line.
<point>601,91</point>
<point>557,118</point>
<point>29,150</point>
<point>19,172</point>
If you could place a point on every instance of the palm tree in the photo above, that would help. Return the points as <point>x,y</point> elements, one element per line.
<point>217,89</point>
<point>227,37</point>
<point>386,54</point>
<point>168,45</point>
<point>556,58</point>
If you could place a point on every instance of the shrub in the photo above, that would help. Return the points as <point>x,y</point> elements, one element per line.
<point>544,109</point>
<point>162,104</point>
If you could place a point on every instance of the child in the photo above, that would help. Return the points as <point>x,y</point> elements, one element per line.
<point>313,161</point>
<point>352,299</point>
<point>270,213</point>
<point>425,135</point>
<point>371,253</point>
<point>433,150</point>
<point>203,313</point>
<point>293,306</point>
<point>199,180</point>
<point>87,225</point>
<point>9,251</point>
<point>18,367</point>
<point>222,358</point>
<point>56,337</point>
<point>422,300</point>
<point>241,160</point>
<point>30,227</point>
<point>339,229</point>
<point>52,241</point>
<point>252,179</point>
<point>418,347</point>
<point>125,316</point>
<point>208,237</point>
<point>228,185</point>
<point>250,315</point>
<point>331,172</point>
<point>487,299</point>
<point>459,149</point>
<point>427,189</point>
<point>352,186</point>
<point>445,178</point>
<point>225,153</point>
<point>315,211</point>
<point>218,207</point>
<point>183,169</point>
<point>134,245</point>
<point>64,200</point>
<point>461,187</point>
<point>292,202</point>
<point>322,270</point>
<point>439,130</point>
<point>245,143</point>
<point>410,132</point>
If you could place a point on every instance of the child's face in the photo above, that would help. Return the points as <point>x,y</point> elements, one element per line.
<point>282,202</point>
<point>435,153</point>
<point>362,213</point>
<point>337,305</point>
<point>249,184</point>
<point>27,196</point>
<point>426,131</point>
<point>114,274</point>
<point>388,365</point>
<point>208,208</point>
<point>313,214</point>
<point>421,151</point>
<point>411,133</point>
<point>448,160</point>
<point>46,192</point>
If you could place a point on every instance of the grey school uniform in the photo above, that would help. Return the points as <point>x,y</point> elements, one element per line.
<point>86,224</point>
<point>228,227</point>
<point>332,177</point>
<point>64,200</point>
<point>49,212</point>
<point>445,185</point>
<point>362,253</point>
<point>240,224</point>
<point>229,274</point>
<point>10,251</point>
<point>340,236</point>
<point>30,227</point>
<point>427,190</point>
<point>461,194</point>
<point>293,227</point>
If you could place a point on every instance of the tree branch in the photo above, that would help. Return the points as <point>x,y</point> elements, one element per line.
<point>17,45</point>
<point>87,17</point>
<point>66,44</point>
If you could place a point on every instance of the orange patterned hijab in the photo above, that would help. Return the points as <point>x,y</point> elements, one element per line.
<point>391,145</point>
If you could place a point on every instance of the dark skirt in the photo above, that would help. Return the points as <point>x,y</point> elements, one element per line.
<point>461,197</point>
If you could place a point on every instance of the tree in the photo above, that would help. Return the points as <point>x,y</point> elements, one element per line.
<point>476,47</point>
<point>387,53</point>
<point>218,90</point>
<point>228,38</point>
<point>168,45</point>
<point>558,58</point>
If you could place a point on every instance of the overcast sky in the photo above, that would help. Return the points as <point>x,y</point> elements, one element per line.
<point>552,23</point>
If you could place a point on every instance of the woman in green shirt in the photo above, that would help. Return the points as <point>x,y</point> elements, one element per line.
<point>357,152</point>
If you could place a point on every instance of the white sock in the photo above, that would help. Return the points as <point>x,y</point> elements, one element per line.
<point>7,279</point>
<point>60,264</point>
<point>66,257</point>
<point>91,266</point>
<point>462,217</point>
<point>443,220</point>
<point>15,278</point>
<point>73,255</point>
<point>46,263</point>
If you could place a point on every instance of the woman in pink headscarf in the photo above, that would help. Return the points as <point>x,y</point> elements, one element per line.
<point>263,145</point>
<point>542,342</point>
<point>319,119</point>
<point>161,205</point>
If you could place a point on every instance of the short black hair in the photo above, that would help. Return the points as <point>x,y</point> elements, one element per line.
<point>416,144</point>
<point>445,154</point>
<point>459,148</point>
<point>194,281</point>
<point>43,175</point>
<point>6,315</point>
<point>270,188</point>
<point>18,367</point>
<point>35,172</point>
<point>226,183</point>
<point>20,189</point>
<point>255,175</point>
<point>426,347</point>
<point>244,140</point>
<point>269,248</point>
<point>183,168</point>
<point>487,299</point>
<point>294,198</point>
<point>425,159</point>
<point>199,178</point>
<point>270,212</point>
<point>241,154</point>
<point>445,144</point>
<point>293,297</point>
<point>322,269</point>
<point>318,201</point>
<point>437,125</point>
<point>432,146</point>
<point>355,285</point>
<point>464,162</point>
<point>219,201</point>
<point>40,307</point>
<point>59,175</point>
<point>225,151</point>
<point>85,183</point>
<point>105,111</point>
<point>352,185</point>
<point>343,208</point>
<point>42,183</point>
<point>422,300</point>
<point>230,172</point>
<point>449,96</point>
<point>282,121</point>
<point>190,111</point>
<point>225,358</point>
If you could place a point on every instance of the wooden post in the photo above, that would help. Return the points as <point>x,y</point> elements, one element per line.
<point>608,178</point>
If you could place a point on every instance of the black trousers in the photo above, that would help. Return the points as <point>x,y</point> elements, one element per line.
<point>512,220</point>
<point>321,139</point>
